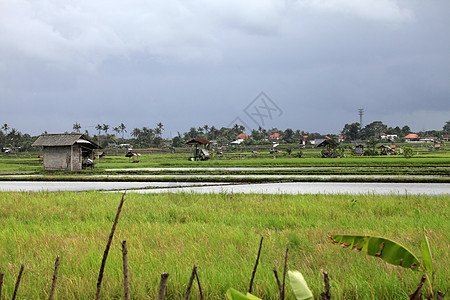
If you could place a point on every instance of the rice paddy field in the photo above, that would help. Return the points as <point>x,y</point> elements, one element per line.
<point>220,234</point>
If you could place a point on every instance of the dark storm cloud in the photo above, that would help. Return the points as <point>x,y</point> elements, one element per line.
<point>190,63</point>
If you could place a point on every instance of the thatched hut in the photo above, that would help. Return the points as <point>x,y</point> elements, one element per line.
<point>66,152</point>
<point>200,150</point>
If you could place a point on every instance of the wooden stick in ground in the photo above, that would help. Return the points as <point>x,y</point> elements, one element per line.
<point>17,283</point>
<point>417,295</point>
<point>283,290</point>
<point>191,280</point>
<point>163,286</point>
<point>1,283</point>
<point>108,245</point>
<point>55,277</point>
<point>199,285</point>
<point>440,295</point>
<point>256,265</point>
<point>126,284</point>
<point>327,294</point>
<point>278,281</point>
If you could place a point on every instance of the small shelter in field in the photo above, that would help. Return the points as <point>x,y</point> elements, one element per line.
<point>200,149</point>
<point>386,150</point>
<point>359,150</point>
<point>66,152</point>
<point>330,146</point>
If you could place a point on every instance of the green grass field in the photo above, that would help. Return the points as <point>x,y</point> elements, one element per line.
<point>220,234</point>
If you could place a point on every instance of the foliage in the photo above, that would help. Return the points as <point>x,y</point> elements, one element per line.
<point>168,232</point>
<point>408,152</point>
<point>446,127</point>
<point>383,248</point>
<point>391,252</point>
<point>299,286</point>
<point>370,152</point>
<point>233,294</point>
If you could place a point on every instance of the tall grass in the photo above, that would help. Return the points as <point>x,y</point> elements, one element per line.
<point>220,233</point>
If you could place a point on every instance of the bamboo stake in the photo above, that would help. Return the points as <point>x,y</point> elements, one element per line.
<point>191,280</point>
<point>417,295</point>
<point>327,294</point>
<point>126,284</point>
<point>17,283</point>
<point>108,245</point>
<point>199,285</point>
<point>55,277</point>
<point>283,290</point>
<point>278,281</point>
<point>1,283</point>
<point>163,286</point>
<point>256,266</point>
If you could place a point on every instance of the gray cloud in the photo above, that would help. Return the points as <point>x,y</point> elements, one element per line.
<point>190,63</point>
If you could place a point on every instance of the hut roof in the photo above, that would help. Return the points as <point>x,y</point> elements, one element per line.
<point>54,140</point>
<point>412,136</point>
<point>198,142</point>
<point>331,143</point>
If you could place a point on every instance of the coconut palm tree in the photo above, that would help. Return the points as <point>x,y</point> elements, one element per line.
<point>5,128</point>
<point>122,128</point>
<point>76,127</point>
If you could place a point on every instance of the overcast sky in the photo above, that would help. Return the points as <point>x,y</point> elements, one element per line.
<point>194,62</point>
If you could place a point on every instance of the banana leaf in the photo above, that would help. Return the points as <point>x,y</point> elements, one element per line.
<point>387,250</point>
<point>426,256</point>
<point>233,294</point>
<point>299,286</point>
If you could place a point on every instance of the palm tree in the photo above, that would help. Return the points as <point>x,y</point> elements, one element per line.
<point>77,127</point>
<point>136,132</point>
<point>105,129</point>
<point>5,128</point>
<point>122,128</point>
<point>160,128</point>
<point>116,130</point>
<point>99,128</point>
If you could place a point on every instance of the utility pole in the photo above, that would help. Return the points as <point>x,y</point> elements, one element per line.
<point>361,113</point>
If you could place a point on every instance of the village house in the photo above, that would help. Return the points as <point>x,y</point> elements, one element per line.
<point>66,152</point>
<point>412,137</point>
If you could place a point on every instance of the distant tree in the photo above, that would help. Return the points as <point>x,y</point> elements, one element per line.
<point>99,128</point>
<point>213,132</point>
<point>105,128</point>
<point>373,129</point>
<point>136,132</point>
<point>177,141</point>
<point>406,130</point>
<point>256,135</point>
<point>77,127</point>
<point>116,129</point>
<point>122,128</point>
<point>288,135</point>
<point>192,133</point>
<point>446,127</point>
<point>159,128</point>
<point>408,152</point>
<point>5,128</point>
<point>206,128</point>
<point>351,131</point>
<point>372,142</point>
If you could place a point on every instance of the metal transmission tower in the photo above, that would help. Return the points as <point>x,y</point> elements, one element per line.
<point>361,113</point>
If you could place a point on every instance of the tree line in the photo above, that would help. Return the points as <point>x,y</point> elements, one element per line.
<point>147,137</point>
